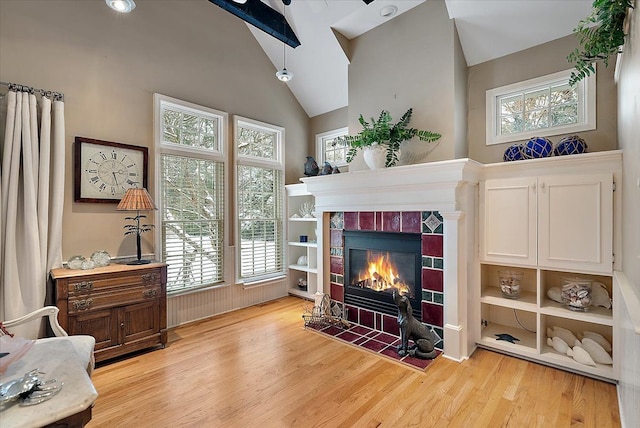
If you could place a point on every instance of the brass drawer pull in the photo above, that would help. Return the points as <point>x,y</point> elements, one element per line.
<point>83,286</point>
<point>150,277</point>
<point>82,305</point>
<point>150,293</point>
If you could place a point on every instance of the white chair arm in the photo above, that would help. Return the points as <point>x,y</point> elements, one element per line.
<point>48,311</point>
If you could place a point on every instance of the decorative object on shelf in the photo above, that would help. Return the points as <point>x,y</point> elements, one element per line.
<point>513,153</point>
<point>295,215</point>
<point>302,283</point>
<point>326,169</point>
<point>335,170</point>
<point>537,147</point>
<point>302,261</point>
<point>87,264</point>
<point>597,352</point>
<point>555,294</point>
<point>601,35</point>
<point>599,339</point>
<point>104,170</point>
<point>100,258</point>
<point>600,295</point>
<point>304,238</point>
<point>137,200</point>
<point>576,293</point>
<point>510,281</point>
<point>581,355</point>
<point>507,338</point>
<point>75,262</point>
<point>570,145</point>
<point>306,210</point>
<point>384,136</point>
<point>563,333</point>
<point>558,344</point>
<point>311,168</point>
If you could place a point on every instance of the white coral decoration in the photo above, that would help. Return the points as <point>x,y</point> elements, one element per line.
<point>306,210</point>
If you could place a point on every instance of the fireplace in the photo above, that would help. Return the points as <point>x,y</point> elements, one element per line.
<point>376,264</point>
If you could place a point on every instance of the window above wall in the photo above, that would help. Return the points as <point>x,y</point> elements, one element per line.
<point>327,151</point>
<point>542,107</point>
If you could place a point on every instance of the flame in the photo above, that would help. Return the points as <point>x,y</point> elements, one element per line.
<point>381,275</point>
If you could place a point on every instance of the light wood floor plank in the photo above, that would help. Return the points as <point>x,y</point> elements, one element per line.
<point>259,367</point>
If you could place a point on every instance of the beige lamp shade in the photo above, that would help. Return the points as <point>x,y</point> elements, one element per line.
<point>136,199</point>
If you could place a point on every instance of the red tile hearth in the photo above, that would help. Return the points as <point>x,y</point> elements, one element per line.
<point>380,343</point>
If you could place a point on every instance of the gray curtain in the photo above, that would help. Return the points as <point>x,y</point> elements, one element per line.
<point>31,198</point>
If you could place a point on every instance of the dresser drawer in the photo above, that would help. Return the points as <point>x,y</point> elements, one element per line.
<point>90,284</point>
<point>94,300</point>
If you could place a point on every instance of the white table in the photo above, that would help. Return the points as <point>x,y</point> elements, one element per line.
<point>57,359</point>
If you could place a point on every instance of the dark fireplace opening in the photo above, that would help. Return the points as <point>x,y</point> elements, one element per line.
<point>376,263</point>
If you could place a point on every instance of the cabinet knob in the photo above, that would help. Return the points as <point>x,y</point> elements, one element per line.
<point>83,286</point>
<point>121,325</point>
<point>82,305</point>
<point>150,277</point>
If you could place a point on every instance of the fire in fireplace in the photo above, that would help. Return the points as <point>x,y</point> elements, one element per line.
<point>376,263</point>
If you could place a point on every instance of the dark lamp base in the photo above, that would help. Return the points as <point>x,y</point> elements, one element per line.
<point>139,262</point>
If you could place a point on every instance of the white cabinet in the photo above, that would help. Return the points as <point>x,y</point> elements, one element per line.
<point>302,245</point>
<point>547,219</point>
<point>555,221</point>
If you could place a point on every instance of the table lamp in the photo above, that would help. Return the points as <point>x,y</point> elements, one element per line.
<point>136,199</point>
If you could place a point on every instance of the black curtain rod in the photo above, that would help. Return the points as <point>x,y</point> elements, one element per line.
<point>57,96</point>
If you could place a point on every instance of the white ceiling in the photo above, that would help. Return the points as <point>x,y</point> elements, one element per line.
<point>488,29</point>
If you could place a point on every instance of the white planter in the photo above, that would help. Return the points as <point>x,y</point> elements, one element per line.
<point>375,156</point>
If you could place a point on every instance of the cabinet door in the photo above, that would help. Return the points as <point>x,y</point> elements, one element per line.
<point>140,321</point>
<point>508,221</point>
<point>102,325</point>
<point>576,222</point>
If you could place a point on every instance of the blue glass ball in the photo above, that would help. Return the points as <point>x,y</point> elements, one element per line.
<point>537,147</point>
<point>513,153</point>
<point>570,145</point>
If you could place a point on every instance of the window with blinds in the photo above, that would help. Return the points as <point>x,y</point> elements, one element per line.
<point>260,194</point>
<point>192,191</point>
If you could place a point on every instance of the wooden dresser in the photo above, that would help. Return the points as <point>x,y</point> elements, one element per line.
<point>124,307</point>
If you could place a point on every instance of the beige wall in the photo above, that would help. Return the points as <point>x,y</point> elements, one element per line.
<point>409,62</point>
<point>109,66</point>
<point>535,62</point>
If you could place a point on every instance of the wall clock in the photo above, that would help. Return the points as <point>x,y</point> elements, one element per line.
<point>103,170</point>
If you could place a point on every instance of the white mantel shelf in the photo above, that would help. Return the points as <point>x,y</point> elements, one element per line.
<point>449,187</point>
<point>427,187</point>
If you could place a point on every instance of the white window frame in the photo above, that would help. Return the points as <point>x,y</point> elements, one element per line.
<point>219,155</point>
<point>277,163</point>
<point>586,107</point>
<point>321,140</point>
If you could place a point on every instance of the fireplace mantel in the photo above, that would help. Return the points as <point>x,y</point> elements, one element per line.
<point>449,187</point>
<point>426,186</point>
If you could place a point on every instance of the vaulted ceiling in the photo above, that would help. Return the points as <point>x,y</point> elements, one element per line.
<point>488,29</point>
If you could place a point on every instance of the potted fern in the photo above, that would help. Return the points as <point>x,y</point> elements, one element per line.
<point>381,139</point>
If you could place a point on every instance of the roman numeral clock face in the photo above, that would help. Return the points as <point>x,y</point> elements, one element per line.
<point>107,171</point>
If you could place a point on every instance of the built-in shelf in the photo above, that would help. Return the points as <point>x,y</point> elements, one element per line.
<point>297,196</point>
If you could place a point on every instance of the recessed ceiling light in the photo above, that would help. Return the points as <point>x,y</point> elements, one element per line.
<point>123,6</point>
<point>388,11</point>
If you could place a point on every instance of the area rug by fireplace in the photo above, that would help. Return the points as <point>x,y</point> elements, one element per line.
<point>372,340</point>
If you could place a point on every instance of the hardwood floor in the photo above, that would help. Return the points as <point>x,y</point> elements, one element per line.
<point>259,367</point>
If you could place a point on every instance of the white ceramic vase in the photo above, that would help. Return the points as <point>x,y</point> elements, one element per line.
<point>375,156</point>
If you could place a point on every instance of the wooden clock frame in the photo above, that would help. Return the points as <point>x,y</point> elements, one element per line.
<point>79,160</point>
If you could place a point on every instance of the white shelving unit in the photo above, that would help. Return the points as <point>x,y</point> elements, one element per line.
<point>298,226</point>
<point>547,218</point>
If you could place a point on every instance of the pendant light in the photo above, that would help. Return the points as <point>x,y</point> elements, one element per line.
<point>123,6</point>
<point>284,75</point>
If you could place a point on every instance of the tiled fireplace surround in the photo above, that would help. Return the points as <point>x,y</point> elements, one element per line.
<point>430,224</point>
<point>411,198</point>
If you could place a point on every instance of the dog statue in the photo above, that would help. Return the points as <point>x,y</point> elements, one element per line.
<point>412,329</point>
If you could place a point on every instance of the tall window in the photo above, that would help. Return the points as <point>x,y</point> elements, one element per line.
<point>540,107</point>
<point>190,142</point>
<point>330,151</point>
<point>260,193</point>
